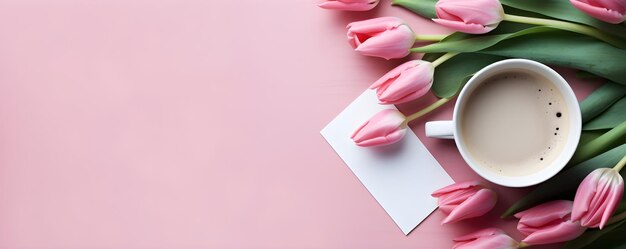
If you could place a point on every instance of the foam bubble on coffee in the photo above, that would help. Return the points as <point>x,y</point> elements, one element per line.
<point>515,123</point>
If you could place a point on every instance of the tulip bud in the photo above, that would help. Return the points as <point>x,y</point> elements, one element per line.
<point>386,127</point>
<point>464,200</point>
<point>611,11</point>
<point>549,223</point>
<point>597,197</point>
<point>350,5</point>
<point>385,37</point>
<point>404,83</point>
<point>490,238</point>
<point>473,17</point>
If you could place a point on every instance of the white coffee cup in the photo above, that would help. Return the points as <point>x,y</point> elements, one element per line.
<point>452,129</point>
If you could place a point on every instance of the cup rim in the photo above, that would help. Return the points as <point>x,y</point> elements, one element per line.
<point>573,136</point>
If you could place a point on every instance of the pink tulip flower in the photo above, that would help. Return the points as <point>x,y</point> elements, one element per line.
<point>548,223</point>
<point>385,37</point>
<point>404,83</point>
<point>490,238</point>
<point>350,5</point>
<point>611,11</point>
<point>597,197</point>
<point>386,127</point>
<point>465,200</point>
<point>473,17</point>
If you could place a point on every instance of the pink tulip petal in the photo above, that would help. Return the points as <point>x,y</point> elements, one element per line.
<point>359,32</point>
<point>394,73</point>
<point>442,13</point>
<point>485,12</point>
<point>356,39</point>
<point>500,241</point>
<point>356,132</point>
<point>616,5</point>
<point>598,202</point>
<point>381,124</point>
<point>349,6</point>
<point>386,127</point>
<point>584,196</point>
<point>474,17</point>
<point>601,13</point>
<point>597,197</point>
<point>393,43</point>
<point>380,141</point>
<point>490,238</point>
<point>396,136</point>
<point>413,96</point>
<point>564,231</point>
<point>476,205</point>
<point>404,83</point>
<point>450,201</point>
<point>545,213</point>
<point>385,37</point>
<point>478,234</point>
<point>412,80</point>
<point>454,187</point>
<point>470,28</point>
<point>447,208</point>
<point>375,25</point>
<point>373,142</point>
<point>459,196</point>
<point>384,81</point>
<point>382,88</point>
<point>613,200</point>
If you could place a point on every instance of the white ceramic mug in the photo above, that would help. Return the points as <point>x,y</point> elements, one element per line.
<point>452,130</point>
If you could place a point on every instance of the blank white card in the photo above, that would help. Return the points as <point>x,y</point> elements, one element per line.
<point>401,176</point>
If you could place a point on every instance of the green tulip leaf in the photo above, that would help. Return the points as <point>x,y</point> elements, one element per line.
<point>547,45</point>
<point>586,75</point>
<point>476,43</point>
<point>606,141</point>
<point>591,235</point>
<point>431,56</point>
<point>613,116</point>
<point>450,76</point>
<point>620,244</point>
<point>588,136</point>
<point>566,49</point>
<point>425,8</point>
<point>600,100</point>
<point>562,9</point>
<point>567,181</point>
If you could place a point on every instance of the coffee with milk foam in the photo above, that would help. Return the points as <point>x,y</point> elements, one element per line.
<point>515,123</point>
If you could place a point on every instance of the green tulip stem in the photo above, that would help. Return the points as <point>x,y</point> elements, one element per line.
<point>599,145</point>
<point>435,38</point>
<point>578,28</point>
<point>620,164</point>
<point>426,110</point>
<point>443,58</point>
<point>522,245</point>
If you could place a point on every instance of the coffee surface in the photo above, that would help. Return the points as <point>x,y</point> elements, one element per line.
<point>515,123</point>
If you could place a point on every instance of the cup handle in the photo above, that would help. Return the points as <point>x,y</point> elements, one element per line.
<point>440,129</point>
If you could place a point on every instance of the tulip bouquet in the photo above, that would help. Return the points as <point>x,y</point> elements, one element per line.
<point>583,204</point>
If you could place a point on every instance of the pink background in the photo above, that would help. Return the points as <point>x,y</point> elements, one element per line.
<point>194,124</point>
